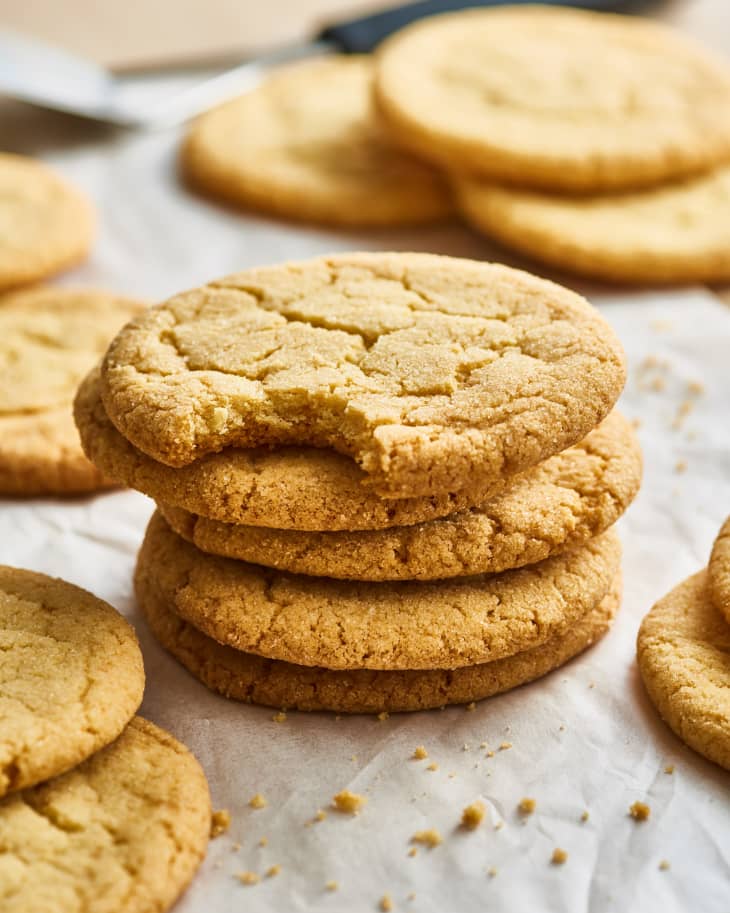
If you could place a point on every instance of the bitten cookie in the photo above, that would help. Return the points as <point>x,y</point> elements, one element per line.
<point>306,145</point>
<point>570,498</point>
<point>126,830</point>
<point>674,233</point>
<point>431,372</point>
<point>45,224</point>
<point>554,98</point>
<point>683,650</point>
<point>250,678</point>
<point>71,677</point>
<point>337,624</point>
<point>719,571</point>
<point>302,488</point>
<point>49,339</point>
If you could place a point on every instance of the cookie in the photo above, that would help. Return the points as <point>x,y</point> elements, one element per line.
<point>49,339</point>
<point>570,498</point>
<point>250,678</point>
<point>674,233</point>
<point>125,830</point>
<point>71,677</point>
<point>719,571</point>
<point>555,99</point>
<point>338,624</point>
<point>306,145</point>
<point>45,224</point>
<point>684,658</point>
<point>302,488</point>
<point>429,371</point>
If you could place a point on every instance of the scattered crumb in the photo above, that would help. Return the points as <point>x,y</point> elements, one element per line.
<point>490,754</point>
<point>664,865</point>
<point>432,766</point>
<point>471,706</point>
<point>483,745</point>
<point>273,871</point>
<point>492,872</point>
<point>220,822</point>
<point>465,746</point>
<point>236,847</point>
<point>505,746</point>
<point>669,769</point>
<point>383,716</point>
<point>559,857</point>
<point>257,801</point>
<point>585,816</point>
<point>348,803</point>
<point>561,728</point>
<point>640,811</point>
<point>411,896</point>
<point>527,806</point>
<point>591,684</point>
<point>386,904</point>
<point>498,825</point>
<point>473,815</point>
<point>695,388</point>
<point>321,815</point>
<point>264,841</point>
<point>658,384</point>
<point>661,325</point>
<point>279,717</point>
<point>429,838</point>
<point>420,753</point>
<point>452,775</point>
<point>636,423</point>
<point>680,466</point>
<point>332,886</point>
<point>248,878</point>
<point>413,851</point>
<point>684,409</point>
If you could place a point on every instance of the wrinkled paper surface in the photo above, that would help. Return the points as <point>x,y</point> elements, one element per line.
<point>584,738</point>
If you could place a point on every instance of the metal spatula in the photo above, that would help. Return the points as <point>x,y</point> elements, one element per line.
<point>47,77</point>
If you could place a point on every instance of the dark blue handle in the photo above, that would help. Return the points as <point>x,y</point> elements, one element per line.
<point>360,36</point>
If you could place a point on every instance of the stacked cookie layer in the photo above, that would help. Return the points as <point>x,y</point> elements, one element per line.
<point>385,481</point>
<point>684,656</point>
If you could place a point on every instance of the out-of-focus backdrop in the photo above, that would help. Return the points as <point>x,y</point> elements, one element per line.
<point>150,33</point>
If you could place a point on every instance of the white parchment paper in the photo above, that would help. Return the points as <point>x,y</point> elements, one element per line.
<point>584,738</point>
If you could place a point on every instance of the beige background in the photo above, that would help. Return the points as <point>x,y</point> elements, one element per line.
<point>143,32</point>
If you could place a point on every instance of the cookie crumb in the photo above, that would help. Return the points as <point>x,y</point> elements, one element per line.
<point>386,904</point>
<point>432,766</point>
<point>411,896</point>
<point>248,878</point>
<point>680,466</point>
<point>236,847</point>
<point>664,865</point>
<point>585,816</point>
<point>473,815</point>
<point>559,857</point>
<point>471,706</point>
<point>383,716</point>
<point>264,841</point>
<point>279,717</point>
<point>348,803</point>
<point>527,806</point>
<point>498,825</point>
<point>420,753</point>
<point>321,815</point>
<point>483,745</point>
<point>273,871</point>
<point>492,872</point>
<point>640,811</point>
<point>413,851</point>
<point>332,886</point>
<point>695,388</point>
<point>430,838</point>
<point>257,801</point>
<point>490,754</point>
<point>220,822</point>
<point>504,746</point>
<point>669,769</point>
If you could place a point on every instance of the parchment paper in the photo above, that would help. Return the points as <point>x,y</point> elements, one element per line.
<point>584,738</point>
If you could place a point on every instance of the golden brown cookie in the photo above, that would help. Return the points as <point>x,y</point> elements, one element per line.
<point>71,677</point>
<point>684,659</point>
<point>570,498</point>
<point>431,372</point>
<point>338,624</point>
<point>306,145</point>
<point>49,339</point>
<point>677,232</point>
<point>250,678</point>
<point>719,571</point>
<point>301,488</point>
<point>125,830</point>
<point>554,98</point>
<point>45,224</point>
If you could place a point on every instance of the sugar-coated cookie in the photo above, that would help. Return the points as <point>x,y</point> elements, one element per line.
<point>719,571</point>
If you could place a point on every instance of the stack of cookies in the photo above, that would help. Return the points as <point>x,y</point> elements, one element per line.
<point>99,809</point>
<point>595,143</point>
<point>384,481</point>
<point>684,656</point>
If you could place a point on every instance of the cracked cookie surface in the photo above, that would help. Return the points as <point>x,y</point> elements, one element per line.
<point>49,339</point>
<point>306,145</point>
<point>250,678</point>
<point>674,233</point>
<point>431,372</point>
<point>719,571</point>
<point>570,498</point>
<point>125,830</point>
<point>71,677</point>
<point>684,658</point>
<point>556,99</point>
<point>303,488</point>
<point>339,624</point>
<point>45,224</point>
